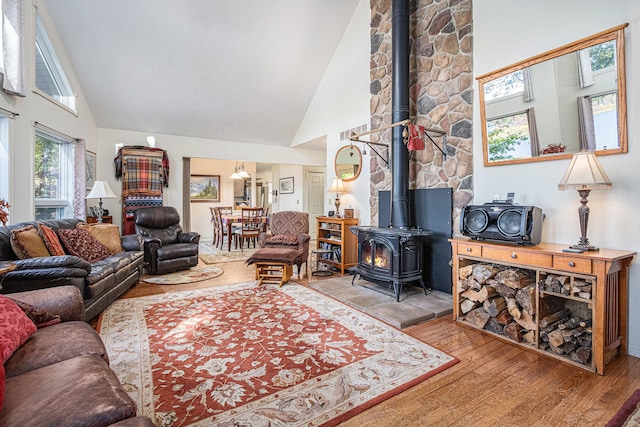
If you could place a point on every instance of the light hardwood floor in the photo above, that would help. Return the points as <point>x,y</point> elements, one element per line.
<point>495,383</point>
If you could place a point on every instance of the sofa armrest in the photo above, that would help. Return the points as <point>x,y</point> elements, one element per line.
<point>262,239</point>
<point>189,237</point>
<point>65,301</point>
<point>131,242</point>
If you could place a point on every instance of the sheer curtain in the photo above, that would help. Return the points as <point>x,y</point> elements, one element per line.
<point>12,58</point>
<point>80,180</point>
<point>585,74</point>
<point>533,133</point>
<point>586,126</point>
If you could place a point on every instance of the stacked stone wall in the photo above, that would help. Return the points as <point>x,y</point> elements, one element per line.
<point>440,92</point>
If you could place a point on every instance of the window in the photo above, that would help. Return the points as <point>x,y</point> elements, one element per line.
<point>509,137</point>
<point>605,119</point>
<point>50,78</point>
<point>53,176</point>
<point>511,84</point>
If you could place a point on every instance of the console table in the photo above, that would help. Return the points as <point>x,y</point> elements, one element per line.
<point>551,283</point>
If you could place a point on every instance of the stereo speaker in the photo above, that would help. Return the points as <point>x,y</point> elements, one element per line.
<point>502,222</point>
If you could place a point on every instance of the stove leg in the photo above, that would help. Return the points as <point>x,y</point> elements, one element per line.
<point>423,285</point>
<point>354,278</point>
<point>397,287</point>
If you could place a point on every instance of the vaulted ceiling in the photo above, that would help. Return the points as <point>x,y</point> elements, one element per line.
<point>227,70</point>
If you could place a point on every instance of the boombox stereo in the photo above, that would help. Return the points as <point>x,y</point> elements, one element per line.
<point>502,222</point>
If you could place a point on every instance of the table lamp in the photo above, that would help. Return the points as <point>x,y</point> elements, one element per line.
<point>337,187</point>
<point>584,174</point>
<point>101,190</point>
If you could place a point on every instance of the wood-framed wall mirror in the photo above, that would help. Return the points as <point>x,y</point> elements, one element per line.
<point>563,101</point>
<point>348,163</point>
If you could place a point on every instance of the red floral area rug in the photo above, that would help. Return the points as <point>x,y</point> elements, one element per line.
<point>258,356</point>
<point>629,414</point>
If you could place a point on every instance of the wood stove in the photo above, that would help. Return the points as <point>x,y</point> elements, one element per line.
<point>390,255</point>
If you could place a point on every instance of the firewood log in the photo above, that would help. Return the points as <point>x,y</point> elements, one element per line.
<point>515,278</point>
<point>530,337</point>
<point>565,312</point>
<point>512,330</point>
<point>473,284</point>
<point>478,317</point>
<point>464,272</point>
<point>572,323</point>
<point>463,285</point>
<point>503,290</point>
<point>492,325</point>
<point>526,320</point>
<point>481,295</point>
<point>513,308</point>
<point>484,272</point>
<point>568,347</point>
<point>585,340</point>
<point>504,317</point>
<point>467,305</point>
<point>581,355</point>
<point>555,338</point>
<point>495,305</point>
<point>526,298</point>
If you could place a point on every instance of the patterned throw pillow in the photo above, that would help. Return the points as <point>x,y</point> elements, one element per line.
<point>283,239</point>
<point>2,381</point>
<point>41,318</point>
<point>15,328</point>
<point>81,244</point>
<point>27,243</point>
<point>51,240</point>
<point>107,234</point>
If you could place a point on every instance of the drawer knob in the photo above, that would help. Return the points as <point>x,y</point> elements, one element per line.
<point>514,255</point>
<point>572,264</point>
<point>468,249</point>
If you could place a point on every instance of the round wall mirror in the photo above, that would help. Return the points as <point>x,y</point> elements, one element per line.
<point>348,162</point>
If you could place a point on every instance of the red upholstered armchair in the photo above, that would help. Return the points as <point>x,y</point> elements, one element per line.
<point>288,230</point>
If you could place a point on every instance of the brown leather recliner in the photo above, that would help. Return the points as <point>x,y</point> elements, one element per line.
<point>166,247</point>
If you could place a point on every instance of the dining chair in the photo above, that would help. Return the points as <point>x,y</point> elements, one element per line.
<point>250,227</point>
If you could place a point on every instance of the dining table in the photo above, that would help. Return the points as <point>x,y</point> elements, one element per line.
<point>229,220</point>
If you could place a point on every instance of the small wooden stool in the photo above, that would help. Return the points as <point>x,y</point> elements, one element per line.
<point>273,265</point>
<point>273,272</point>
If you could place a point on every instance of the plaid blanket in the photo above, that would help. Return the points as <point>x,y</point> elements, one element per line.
<point>142,176</point>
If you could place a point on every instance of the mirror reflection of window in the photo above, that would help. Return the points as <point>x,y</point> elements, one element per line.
<point>509,85</point>
<point>605,120</point>
<point>509,137</point>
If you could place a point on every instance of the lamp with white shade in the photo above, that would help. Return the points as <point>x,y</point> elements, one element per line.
<point>584,174</point>
<point>337,187</point>
<point>101,190</point>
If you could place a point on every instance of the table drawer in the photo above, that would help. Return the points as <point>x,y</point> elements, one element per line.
<point>469,249</point>
<point>572,264</point>
<point>518,256</point>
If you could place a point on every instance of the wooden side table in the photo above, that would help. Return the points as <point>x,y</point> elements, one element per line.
<point>106,219</point>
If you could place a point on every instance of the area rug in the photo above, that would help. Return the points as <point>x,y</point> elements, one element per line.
<point>629,414</point>
<point>186,276</point>
<point>210,255</point>
<point>244,355</point>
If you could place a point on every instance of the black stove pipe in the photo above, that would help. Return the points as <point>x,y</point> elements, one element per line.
<point>399,112</point>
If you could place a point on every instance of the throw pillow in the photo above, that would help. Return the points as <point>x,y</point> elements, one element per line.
<point>107,234</point>
<point>283,239</point>
<point>15,328</point>
<point>27,243</point>
<point>81,244</point>
<point>38,316</point>
<point>51,240</point>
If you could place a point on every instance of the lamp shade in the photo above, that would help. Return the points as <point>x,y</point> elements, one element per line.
<point>101,190</point>
<point>585,173</point>
<point>337,186</point>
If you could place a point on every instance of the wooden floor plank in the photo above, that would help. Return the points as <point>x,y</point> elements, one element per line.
<point>495,383</point>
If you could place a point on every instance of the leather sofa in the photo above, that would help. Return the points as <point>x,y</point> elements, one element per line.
<point>101,282</point>
<point>61,376</point>
<point>166,247</point>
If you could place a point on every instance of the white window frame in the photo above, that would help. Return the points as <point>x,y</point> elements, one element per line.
<point>64,203</point>
<point>43,45</point>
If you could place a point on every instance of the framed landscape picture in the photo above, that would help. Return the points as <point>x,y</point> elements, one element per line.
<point>286,185</point>
<point>204,188</point>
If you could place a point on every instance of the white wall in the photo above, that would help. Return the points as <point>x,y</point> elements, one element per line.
<point>35,108</point>
<point>507,31</point>
<point>179,147</point>
<point>342,102</point>
<point>293,201</point>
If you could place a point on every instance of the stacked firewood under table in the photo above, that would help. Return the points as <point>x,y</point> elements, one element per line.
<point>502,300</point>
